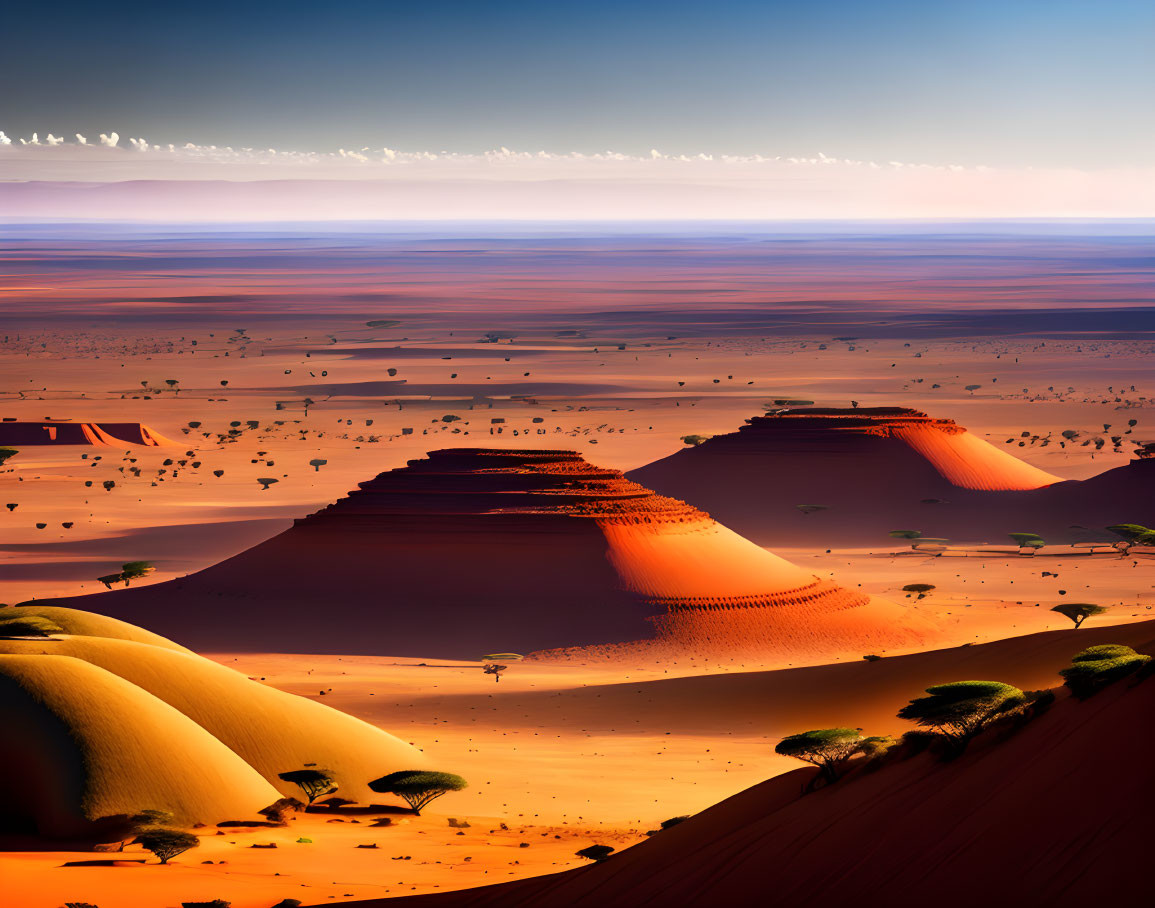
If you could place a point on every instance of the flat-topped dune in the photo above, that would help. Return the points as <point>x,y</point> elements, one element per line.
<point>474,550</point>
<point>58,432</point>
<point>864,472</point>
<point>1052,814</point>
<point>71,703</point>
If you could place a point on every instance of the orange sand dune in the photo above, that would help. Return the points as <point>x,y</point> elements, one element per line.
<point>34,434</point>
<point>1033,819</point>
<point>477,550</point>
<point>81,743</point>
<point>871,470</point>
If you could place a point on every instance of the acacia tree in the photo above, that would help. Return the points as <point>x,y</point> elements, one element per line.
<point>1097,666</point>
<point>1133,534</point>
<point>1028,543</point>
<point>1078,611</point>
<point>912,535</point>
<point>826,748</point>
<point>313,782</point>
<point>961,709</point>
<point>167,843</point>
<point>418,787</point>
<point>134,570</point>
<point>595,853</point>
<point>921,588</point>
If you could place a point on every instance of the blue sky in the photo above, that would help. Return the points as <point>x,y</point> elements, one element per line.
<point>1010,83</point>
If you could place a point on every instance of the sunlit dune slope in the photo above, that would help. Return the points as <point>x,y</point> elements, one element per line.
<point>474,550</point>
<point>1055,814</point>
<point>80,744</point>
<point>826,477</point>
<point>52,432</point>
<point>270,730</point>
<point>88,624</point>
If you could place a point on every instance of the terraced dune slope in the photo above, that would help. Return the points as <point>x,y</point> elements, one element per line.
<point>859,473</point>
<point>52,432</point>
<point>474,550</point>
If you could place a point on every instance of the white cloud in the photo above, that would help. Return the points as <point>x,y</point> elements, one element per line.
<point>577,184</point>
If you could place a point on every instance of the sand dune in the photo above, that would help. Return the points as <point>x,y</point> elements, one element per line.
<point>272,731</point>
<point>34,434</point>
<point>872,470</point>
<point>1024,820</point>
<point>481,550</point>
<point>81,744</point>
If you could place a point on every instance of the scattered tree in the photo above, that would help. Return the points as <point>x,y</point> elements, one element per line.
<point>6,453</point>
<point>265,483</point>
<point>134,570</point>
<point>811,508</point>
<point>694,440</point>
<point>912,535</point>
<point>962,709</point>
<point>1133,534</point>
<point>595,853</point>
<point>418,787</point>
<point>313,782</point>
<point>317,462</point>
<point>826,748</point>
<point>1028,543</point>
<point>1097,666</point>
<point>494,669</point>
<point>921,588</point>
<point>167,843</point>
<point>1078,611</point>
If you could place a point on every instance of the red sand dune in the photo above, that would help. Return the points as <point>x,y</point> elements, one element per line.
<point>1055,814</point>
<point>878,469</point>
<point>475,550</point>
<point>51,432</point>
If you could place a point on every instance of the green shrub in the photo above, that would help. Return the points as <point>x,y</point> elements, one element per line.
<point>418,787</point>
<point>961,709</point>
<point>1098,666</point>
<point>29,626</point>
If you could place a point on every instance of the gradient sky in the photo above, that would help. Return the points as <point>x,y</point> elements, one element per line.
<point>1008,83</point>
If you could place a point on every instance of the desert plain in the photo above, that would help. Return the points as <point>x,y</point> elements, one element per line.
<point>275,370</point>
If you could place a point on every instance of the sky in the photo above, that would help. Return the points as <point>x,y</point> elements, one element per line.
<point>1060,86</point>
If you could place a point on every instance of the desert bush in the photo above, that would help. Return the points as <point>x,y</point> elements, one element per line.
<point>960,710</point>
<point>418,787</point>
<point>595,853</point>
<point>826,748</point>
<point>1098,666</point>
<point>313,782</point>
<point>167,843</point>
<point>1078,611</point>
<point>29,626</point>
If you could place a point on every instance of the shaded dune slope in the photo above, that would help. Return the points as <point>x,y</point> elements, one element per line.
<point>476,550</point>
<point>878,469</point>
<point>81,744</point>
<point>88,624</point>
<point>1025,820</point>
<point>36,434</point>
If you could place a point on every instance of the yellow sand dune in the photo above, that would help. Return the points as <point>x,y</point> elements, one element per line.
<point>89,624</point>
<point>80,744</point>
<point>270,730</point>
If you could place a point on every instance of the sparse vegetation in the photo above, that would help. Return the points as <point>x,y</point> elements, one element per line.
<point>313,782</point>
<point>595,853</point>
<point>1028,543</point>
<point>961,709</point>
<point>1097,666</point>
<point>1079,611</point>
<point>418,787</point>
<point>826,748</point>
<point>166,844</point>
<point>29,626</point>
<point>920,588</point>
